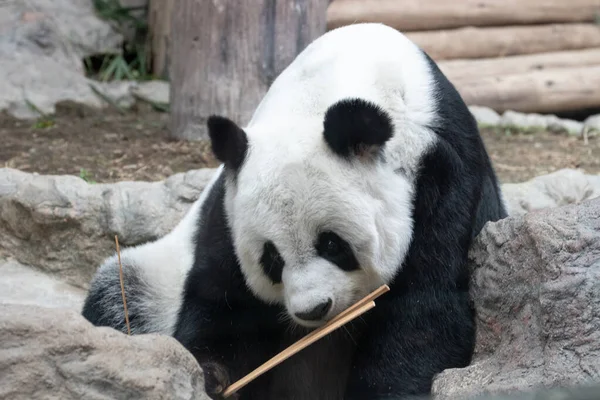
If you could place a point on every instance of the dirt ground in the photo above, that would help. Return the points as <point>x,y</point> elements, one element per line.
<point>105,146</point>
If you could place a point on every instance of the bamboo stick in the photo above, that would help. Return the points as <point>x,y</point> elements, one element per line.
<point>343,318</point>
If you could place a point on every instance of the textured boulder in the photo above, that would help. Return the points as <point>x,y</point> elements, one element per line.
<point>593,124</point>
<point>153,91</point>
<point>533,121</point>
<point>485,115</point>
<point>42,47</point>
<point>577,392</point>
<point>566,186</point>
<point>43,44</point>
<point>66,227</point>
<point>56,354</point>
<point>24,285</point>
<point>536,285</point>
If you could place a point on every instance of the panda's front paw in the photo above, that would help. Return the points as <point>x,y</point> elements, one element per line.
<point>216,380</point>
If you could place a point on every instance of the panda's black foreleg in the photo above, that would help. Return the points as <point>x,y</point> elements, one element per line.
<point>228,340</point>
<point>410,339</point>
<point>216,380</point>
<point>426,323</point>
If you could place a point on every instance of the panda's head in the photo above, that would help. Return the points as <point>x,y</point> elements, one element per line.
<point>318,218</point>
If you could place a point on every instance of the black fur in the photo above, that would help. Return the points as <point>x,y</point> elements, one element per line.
<point>220,321</point>
<point>216,380</point>
<point>336,250</point>
<point>424,325</point>
<point>229,141</point>
<point>427,318</point>
<point>355,126</point>
<point>104,304</point>
<point>272,262</point>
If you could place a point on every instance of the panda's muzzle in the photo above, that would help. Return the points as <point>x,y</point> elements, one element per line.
<point>317,313</point>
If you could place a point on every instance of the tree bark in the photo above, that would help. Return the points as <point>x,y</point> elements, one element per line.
<point>226,53</point>
<point>415,15</point>
<point>469,70</point>
<point>549,91</point>
<point>159,38</point>
<point>506,41</point>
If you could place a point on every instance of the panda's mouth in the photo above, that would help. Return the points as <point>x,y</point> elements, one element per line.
<point>314,316</point>
<point>309,324</point>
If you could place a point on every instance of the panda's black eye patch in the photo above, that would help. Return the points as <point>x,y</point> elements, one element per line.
<point>272,262</point>
<point>336,250</point>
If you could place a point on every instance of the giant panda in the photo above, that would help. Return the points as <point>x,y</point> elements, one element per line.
<point>361,166</point>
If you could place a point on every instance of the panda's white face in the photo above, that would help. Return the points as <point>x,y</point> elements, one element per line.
<point>313,231</point>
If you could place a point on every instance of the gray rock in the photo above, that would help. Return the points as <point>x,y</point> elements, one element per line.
<point>33,82</point>
<point>21,284</point>
<point>536,285</point>
<point>57,27</point>
<point>42,47</point>
<point>120,92</point>
<point>566,186</point>
<point>593,123</point>
<point>65,226</point>
<point>153,91</point>
<point>485,115</point>
<point>576,392</point>
<point>524,121</point>
<point>568,126</point>
<point>527,122</point>
<point>56,354</point>
<point>533,122</point>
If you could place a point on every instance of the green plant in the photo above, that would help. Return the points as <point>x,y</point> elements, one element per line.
<point>44,121</point>
<point>132,62</point>
<point>86,176</point>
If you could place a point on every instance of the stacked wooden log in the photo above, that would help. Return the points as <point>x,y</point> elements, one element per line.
<point>522,55</point>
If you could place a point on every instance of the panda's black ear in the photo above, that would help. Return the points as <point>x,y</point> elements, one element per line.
<point>229,141</point>
<point>357,128</point>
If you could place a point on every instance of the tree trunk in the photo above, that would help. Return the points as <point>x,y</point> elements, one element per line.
<point>159,38</point>
<point>549,91</point>
<point>416,15</point>
<point>226,53</point>
<point>469,70</point>
<point>506,41</point>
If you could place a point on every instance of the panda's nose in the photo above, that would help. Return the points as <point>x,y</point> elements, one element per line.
<point>316,313</point>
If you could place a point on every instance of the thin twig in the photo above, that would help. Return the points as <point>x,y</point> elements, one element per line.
<point>122,286</point>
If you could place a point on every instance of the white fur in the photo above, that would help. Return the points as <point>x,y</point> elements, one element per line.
<point>162,266</point>
<point>292,186</point>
